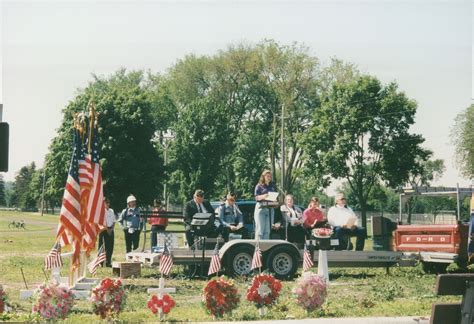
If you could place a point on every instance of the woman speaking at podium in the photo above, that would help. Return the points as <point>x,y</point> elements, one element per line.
<point>266,197</point>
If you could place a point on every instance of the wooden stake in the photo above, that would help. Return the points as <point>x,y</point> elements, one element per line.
<point>23,275</point>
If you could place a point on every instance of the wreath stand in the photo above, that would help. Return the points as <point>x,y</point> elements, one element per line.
<point>76,279</point>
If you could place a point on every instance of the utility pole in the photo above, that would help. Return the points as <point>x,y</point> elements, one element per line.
<point>167,137</point>
<point>283,157</point>
<point>42,191</point>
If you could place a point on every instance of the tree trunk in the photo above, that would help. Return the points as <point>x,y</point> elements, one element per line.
<point>363,211</point>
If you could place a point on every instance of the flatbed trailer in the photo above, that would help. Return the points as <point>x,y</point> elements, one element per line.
<point>278,256</point>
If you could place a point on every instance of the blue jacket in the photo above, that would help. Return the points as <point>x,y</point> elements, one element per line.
<point>130,218</point>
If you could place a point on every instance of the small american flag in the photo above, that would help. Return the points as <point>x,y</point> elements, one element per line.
<point>215,261</point>
<point>94,264</point>
<point>307,261</point>
<point>257,257</point>
<point>166,261</point>
<point>53,259</point>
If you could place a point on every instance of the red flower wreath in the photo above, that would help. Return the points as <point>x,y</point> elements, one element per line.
<point>264,290</point>
<point>3,300</point>
<point>108,298</point>
<point>165,303</point>
<point>220,296</point>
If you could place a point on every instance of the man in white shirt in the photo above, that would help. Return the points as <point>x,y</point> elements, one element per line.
<point>345,224</point>
<point>107,236</point>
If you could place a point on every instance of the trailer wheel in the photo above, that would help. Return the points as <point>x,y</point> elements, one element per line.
<point>282,261</point>
<point>434,267</point>
<point>239,261</point>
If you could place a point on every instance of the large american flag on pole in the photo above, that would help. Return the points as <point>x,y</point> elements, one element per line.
<point>70,219</point>
<point>307,261</point>
<point>94,264</point>
<point>257,257</point>
<point>166,261</point>
<point>215,265</point>
<point>470,247</point>
<point>94,201</point>
<point>53,259</point>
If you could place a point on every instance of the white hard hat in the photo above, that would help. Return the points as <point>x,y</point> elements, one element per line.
<point>131,198</point>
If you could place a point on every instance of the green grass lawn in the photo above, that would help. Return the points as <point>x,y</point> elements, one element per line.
<point>352,292</point>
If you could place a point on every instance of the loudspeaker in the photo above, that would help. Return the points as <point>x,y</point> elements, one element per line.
<point>4,131</point>
<point>382,226</point>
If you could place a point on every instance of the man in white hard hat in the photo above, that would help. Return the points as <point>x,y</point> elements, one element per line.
<point>132,224</point>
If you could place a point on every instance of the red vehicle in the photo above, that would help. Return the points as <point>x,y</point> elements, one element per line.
<point>438,245</point>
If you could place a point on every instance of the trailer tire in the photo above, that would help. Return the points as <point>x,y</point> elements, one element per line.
<point>282,261</point>
<point>434,267</point>
<point>238,262</point>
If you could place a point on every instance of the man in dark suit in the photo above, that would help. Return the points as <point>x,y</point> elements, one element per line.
<point>194,206</point>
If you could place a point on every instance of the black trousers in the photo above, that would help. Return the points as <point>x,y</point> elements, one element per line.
<point>108,240</point>
<point>132,240</point>
<point>343,234</point>
<point>296,234</point>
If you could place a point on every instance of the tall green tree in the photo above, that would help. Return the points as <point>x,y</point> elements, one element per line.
<point>255,85</point>
<point>25,197</point>
<point>361,134</point>
<point>462,135</point>
<point>130,162</point>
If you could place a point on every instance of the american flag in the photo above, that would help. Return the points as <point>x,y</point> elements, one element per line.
<point>95,195</point>
<point>307,261</point>
<point>94,264</point>
<point>166,261</point>
<point>53,259</point>
<point>470,247</point>
<point>70,220</point>
<point>215,265</point>
<point>257,257</point>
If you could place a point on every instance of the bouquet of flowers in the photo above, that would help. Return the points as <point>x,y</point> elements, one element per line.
<point>108,298</point>
<point>220,296</point>
<point>264,290</point>
<point>310,291</point>
<point>164,304</point>
<point>3,300</point>
<point>53,302</point>
<point>322,232</point>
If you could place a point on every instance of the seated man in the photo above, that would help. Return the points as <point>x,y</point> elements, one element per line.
<point>345,223</point>
<point>192,207</point>
<point>231,218</point>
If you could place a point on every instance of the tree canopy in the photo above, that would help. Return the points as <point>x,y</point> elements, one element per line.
<point>361,134</point>
<point>462,135</point>
<point>228,113</point>
<point>130,162</point>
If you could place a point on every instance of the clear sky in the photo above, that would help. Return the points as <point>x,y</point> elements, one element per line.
<point>51,48</point>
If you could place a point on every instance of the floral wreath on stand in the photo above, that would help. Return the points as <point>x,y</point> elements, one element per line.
<point>322,232</point>
<point>166,303</point>
<point>53,302</point>
<point>220,296</point>
<point>310,291</point>
<point>108,298</point>
<point>264,290</point>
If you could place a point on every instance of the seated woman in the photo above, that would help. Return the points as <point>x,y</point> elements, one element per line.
<point>313,216</point>
<point>293,219</point>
